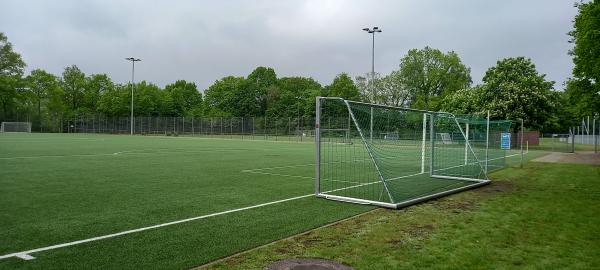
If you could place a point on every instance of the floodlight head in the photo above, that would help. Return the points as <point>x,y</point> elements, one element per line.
<point>375,28</point>
<point>133,59</point>
<point>366,29</point>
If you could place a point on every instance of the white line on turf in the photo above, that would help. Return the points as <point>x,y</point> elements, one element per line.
<point>472,163</point>
<point>297,176</point>
<point>129,152</point>
<point>27,253</point>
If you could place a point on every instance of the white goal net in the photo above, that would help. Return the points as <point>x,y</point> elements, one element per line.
<point>15,127</point>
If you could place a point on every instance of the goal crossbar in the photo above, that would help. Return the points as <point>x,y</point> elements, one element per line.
<point>15,127</point>
<point>391,171</point>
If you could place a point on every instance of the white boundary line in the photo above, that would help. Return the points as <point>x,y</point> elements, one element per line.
<point>26,255</point>
<point>129,152</point>
<point>296,176</point>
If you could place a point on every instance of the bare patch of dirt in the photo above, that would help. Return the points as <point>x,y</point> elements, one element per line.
<point>456,206</point>
<point>420,230</point>
<point>582,157</point>
<point>496,187</point>
<point>413,233</point>
<point>307,264</point>
<point>310,241</point>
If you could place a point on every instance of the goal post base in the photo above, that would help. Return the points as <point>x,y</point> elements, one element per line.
<point>406,203</point>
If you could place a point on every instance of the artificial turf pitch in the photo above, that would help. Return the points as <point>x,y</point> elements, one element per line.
<point>59,188</point>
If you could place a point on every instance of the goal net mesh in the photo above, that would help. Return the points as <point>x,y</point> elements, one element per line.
<point>369,153</point>
<point>15,127</point>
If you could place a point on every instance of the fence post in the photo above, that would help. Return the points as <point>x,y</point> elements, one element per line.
<point>521,142</point>
<point>595,136</point>
<point>301,132</point>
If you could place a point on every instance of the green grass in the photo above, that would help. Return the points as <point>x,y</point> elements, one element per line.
<point>543,216</point>
<point>555,145</point>
<point>57,188</point>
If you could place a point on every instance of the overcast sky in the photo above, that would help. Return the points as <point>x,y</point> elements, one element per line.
<point>203,41</point>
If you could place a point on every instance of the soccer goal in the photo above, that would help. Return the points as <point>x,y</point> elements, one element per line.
<point>397,156</point>
<point>15,127</point>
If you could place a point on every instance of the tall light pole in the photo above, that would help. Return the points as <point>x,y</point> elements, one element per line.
<point>133,60</point>
<point>372,31</point>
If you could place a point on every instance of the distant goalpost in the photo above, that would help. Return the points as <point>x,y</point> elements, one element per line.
<point>15,127</point>
<point>393,157</point>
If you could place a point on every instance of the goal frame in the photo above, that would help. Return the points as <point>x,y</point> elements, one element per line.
<point>474,182</point>
<point>3,127</point>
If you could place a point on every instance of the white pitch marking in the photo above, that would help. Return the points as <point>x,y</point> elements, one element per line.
<point>56,156</point>
<point>297,176</point>
<point>25,254</point>
<point>462,165</point>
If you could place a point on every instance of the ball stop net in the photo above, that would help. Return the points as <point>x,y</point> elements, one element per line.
<point>394,157</point>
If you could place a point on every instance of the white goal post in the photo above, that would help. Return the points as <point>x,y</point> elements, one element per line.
<point>16,127</point>
<point>396,156</point>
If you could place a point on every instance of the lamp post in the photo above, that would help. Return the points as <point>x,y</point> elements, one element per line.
<point>372,31</point>
<point>133,60</point>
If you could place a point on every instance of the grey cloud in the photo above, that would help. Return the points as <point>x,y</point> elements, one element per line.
<point>203,41</point>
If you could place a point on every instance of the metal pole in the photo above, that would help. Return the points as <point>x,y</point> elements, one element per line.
<point>522,133</point>
<point>318,145</point>
<point>594,134</point>
<point>431,142</point>
<point>587,129</point>
<point>132,82</point>
<point>467,139</point>
<point>424,138</point>
<point>373,69</point>
<point>487,140</point>
<point>133,60</point>
<point>371,127</point>
<point>372,32</point>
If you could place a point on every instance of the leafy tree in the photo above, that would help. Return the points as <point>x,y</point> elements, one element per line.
<point>115,101</point>
<point>583,91</point>
<point>220,97</point>
<point>11,71</point>
<point>186,98</point>
<point>343,86</point>
<point>96,85</point>
<point>40,84</point>
<point>370,88</point>
<point>241,97</point>
<point>252,99</point>
<point>147,100</point>
<point>291,96</point>
<point>465,101</point>
<point>429,75</point>
<point>512,89</point>
<point>55,100</point>
<point>393,91</point>
<point>73,83</point>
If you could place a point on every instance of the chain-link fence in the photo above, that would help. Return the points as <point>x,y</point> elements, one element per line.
<point>266,128</point>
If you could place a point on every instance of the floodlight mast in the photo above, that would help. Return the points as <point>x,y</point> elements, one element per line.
<point>372,31</point>
<point>133,60</point>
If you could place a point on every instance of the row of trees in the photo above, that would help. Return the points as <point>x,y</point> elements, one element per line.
<point>41,95</point>
<point>426,79</point>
